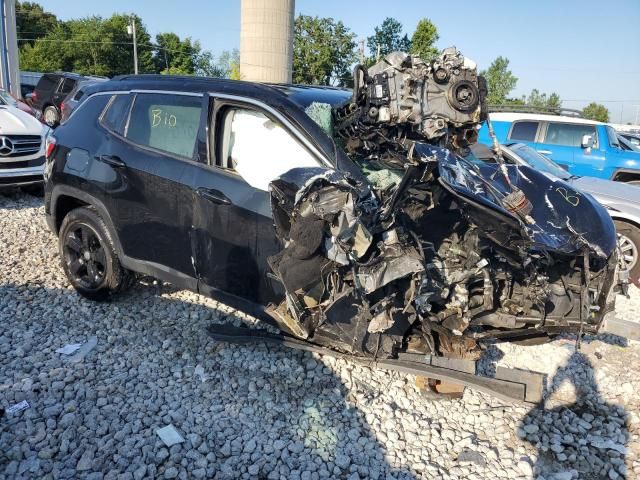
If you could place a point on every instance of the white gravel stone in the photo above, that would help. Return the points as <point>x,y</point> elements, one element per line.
<point>268,411</point>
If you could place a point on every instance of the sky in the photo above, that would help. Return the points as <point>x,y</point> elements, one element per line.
<point>583,50</point>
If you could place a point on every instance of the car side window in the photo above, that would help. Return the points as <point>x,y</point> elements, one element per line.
<point>524,131</point>
<point>115,116</point>
<point>67,85</point>
<point>166,122</point>
<point>258,148</point>
<point>568,134</point>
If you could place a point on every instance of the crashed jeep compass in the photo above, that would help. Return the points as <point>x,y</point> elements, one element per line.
<point>349,218</point>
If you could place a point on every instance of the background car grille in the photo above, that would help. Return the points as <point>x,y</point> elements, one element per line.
<point>6,164</point>
<point>22,145</point>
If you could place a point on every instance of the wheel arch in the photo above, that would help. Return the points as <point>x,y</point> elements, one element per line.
<point>65,198</point>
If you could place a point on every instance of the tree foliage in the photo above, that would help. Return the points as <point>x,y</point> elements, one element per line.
<point>32,22</point>
<point>323,51</point>
<point>99,46</point>
<point>596,111</point>
<point>388,37</point>
<point>500,81</point>
<point>424,39</point>
<point>542,101</point>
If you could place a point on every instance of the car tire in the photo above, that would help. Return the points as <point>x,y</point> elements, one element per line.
<point>51,116</point>
<point>629,240</point>
<point>89,258</point>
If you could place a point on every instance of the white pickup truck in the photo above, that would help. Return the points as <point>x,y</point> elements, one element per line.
<point>22,144</point>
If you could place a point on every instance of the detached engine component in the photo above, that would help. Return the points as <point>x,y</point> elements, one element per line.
<point>424,99</point>
<point>433,253</point>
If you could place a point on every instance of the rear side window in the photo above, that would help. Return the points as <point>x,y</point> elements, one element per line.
<point>166,122</point>
<point>568,134</point>
<point>78,95</point>
<point>115,117</point>
<point>67,85</point>
<point>47,83</point>
<point>525,131</point>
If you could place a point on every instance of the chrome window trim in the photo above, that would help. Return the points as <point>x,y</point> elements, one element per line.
<point>238,98</point>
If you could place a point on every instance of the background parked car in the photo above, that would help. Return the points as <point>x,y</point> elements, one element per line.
<point>11,100</point>
<point>631,138</point>
<point>22,147</point>
<point>51,91</point>
<point>28,82</point>
<point>75,97</point>
<point>622,201</point>
<point>582,147</point>
<point>625,144</point>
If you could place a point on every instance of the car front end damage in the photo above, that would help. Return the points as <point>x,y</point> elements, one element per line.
<point>433,253</point>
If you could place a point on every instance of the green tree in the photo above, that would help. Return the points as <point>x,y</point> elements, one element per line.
<point>424,39</point>
<point>596,111</point>
<point>120,59</point>
<point>176,56</point>
<point>500,81</point>
<point>388,37</point>
<point>542,101</point>
<point>323,51</point>
<point>32,22</point>
<point>90,46</point>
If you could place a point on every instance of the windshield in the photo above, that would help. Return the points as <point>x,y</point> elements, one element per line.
<point>538,161</point>
<point>613,137</point>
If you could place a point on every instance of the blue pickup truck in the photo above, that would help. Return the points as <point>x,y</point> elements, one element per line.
<point>583,147</point>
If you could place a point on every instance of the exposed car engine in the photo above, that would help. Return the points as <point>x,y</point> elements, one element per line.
<point>434,252</point>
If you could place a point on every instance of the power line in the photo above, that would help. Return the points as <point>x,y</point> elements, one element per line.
<point>104,42</point>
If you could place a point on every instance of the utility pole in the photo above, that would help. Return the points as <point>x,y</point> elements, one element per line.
<point>361,49</point>
<point>9,69</point>
<point>131,30</point>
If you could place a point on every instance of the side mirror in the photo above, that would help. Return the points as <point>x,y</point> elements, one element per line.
<point>587,141</point>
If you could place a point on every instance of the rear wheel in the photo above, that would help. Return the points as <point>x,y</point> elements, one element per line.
<point>51,116</point>
<point>89,258</point>
<point>629,241</point>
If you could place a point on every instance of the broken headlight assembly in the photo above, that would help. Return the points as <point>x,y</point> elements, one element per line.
<point>433,252</point>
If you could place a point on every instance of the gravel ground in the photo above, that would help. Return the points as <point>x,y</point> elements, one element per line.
<point>258,412</point>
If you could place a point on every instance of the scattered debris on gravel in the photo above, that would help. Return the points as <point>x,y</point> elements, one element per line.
<point>257,412</point>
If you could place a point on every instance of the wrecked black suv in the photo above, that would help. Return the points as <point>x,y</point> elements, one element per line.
<point>350,218</point>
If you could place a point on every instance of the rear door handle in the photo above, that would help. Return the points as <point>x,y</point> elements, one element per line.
<point>113,160</point>
<point>214,196</point>
<point>545,152</point>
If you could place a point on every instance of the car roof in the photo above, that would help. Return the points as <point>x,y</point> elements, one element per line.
<point>302,95</point>
<point>514,116</point>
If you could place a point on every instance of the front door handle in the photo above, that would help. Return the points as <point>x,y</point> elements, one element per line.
<point>214,196</point>
<point>545,152</point>
<point>113,160</point>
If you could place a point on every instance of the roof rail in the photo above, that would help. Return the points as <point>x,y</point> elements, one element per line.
<point>569,112</point>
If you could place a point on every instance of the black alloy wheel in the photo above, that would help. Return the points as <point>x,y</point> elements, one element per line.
<point>89,257</point>
<point>85,256</point>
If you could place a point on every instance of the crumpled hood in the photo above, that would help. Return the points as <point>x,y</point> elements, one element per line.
<point>565,219</point>
<point>14,121</point>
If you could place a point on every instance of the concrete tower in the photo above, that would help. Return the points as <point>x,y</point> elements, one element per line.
<point>266,40</point>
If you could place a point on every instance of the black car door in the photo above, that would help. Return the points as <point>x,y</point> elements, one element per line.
<point>234,234</point>
<point>152,150</point>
